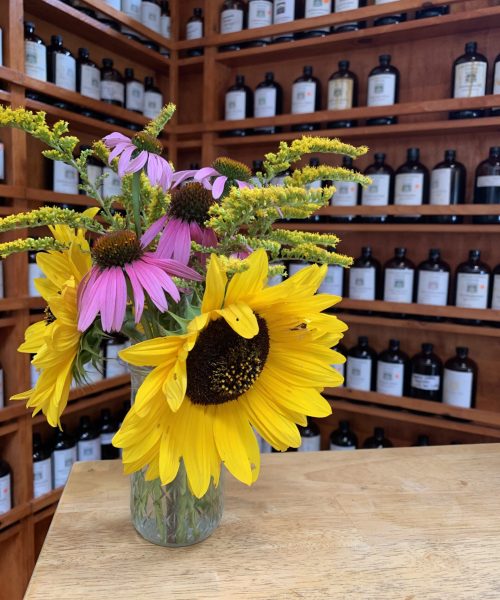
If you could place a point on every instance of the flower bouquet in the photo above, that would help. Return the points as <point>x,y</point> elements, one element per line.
<point>181,263</point>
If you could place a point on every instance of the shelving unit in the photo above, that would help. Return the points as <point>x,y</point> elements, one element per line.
<point>423,51</point>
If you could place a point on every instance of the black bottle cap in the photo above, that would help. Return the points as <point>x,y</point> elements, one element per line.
<point>37,439</point>
<point>269,76</point>
<point>384,59</point>
<point>59,434</point>
<point>107,63</point>
<point>366,250</point>
<point>462,351</point>
<point>474,254</point>
<point>198,12</point>
<point>470,47</point>
<point>450,154</point>
<point>363,340</point>
<point>344,426</point>
<point>314,162</point>
<point>240,80</point>
<point>423,440</point>
<point>84,421</point>
<point>129,73</point>
<point>196,166</point>
<point>308,71</point>
<point>434,253</point>
<point>149,81</point>
<point>257,165</point>
<point>347,162</point>
<point>83,52</point>
<point>394,344</point>
<point>413,154</point>
<point>495,151</point>
<point>29,25</point>
<point>378,433</point>
<point>343,65</point>
<point>379,156</point>
<point>427,348</point>
<point>56,40</point>
<point>105,413</point>
<point>400,252</point>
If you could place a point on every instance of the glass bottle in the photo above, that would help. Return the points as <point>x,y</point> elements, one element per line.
<point>61,64</point>
<point>132,8</point>
<point>107,429</point>
<point>88,76</point>
<point>380,191</point>
<point>94,168</point>
<point>340,366</point>
<point>134,92</point>
<point>487,185</point>
<point>469,75</point>
<point>495,283</point>
<point>399,275</point>
<point>432,11</point>
<point>426,375</point>
<point>423,440</point>
<point>343,438</point>
<point>63,456</point>
<point>89,441</point>
<point>151,14</point>
<point>342,93</point>
<point>64,178</point>
<point>238,104</point>
<point>5,487</point>
<point>153,99</point>
<point>165,21</point>
<point>472,282</point>
<point>378,439</point>
<point>496,84</point>
<point>34,272</point>
<point>393,371</point>
<point>311,438</point>
<point>35,54</point>
<point>194,30</point>
<point>317,8</point>
<point>268,102</point>
<point>286,11</point>
<point>42,468</point>
<point>114,366</point>
<point>460,380</point>
<point>433,280</point>
<point>345,5</point>
<point>383,89</point>
<point>447,186</point>
<point>389,19</point>
<point>346,193</point>
<point>260,14</point>
<point>360,366</point>
<point>232,20</point>
<point>364,277</point>
<point>306,98</point>
<point>411,185</point>
<point>112,86</point>
<point>333,283</point>
<point>2,379</point>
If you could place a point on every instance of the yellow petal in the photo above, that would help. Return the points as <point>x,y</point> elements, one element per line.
<point>175,385</point>
<point>241,318</point>
<point>215,286</point>
<point>249,282</point>
<point>34,338</point>
<point>153,352</point>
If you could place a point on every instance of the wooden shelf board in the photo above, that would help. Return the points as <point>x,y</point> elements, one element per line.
<point>59,14</point>
<point>7,322</point>
<point>11,191</point>
<point>9,428</point>
<point>191,64</point>
<point>8,304</point>
<point>48,196</point>
<point>5,97</point>
<point>188,144</point>
<point>12,411</point>
<point>425,209</point>
<point>13,516</point>
<point>392,228</point>
<point>48,499</point>
<point>99,387</point>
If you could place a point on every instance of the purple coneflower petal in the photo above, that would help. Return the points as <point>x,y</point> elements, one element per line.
<point>118,149</point>
<point>115,138</point>
<point>154,169</point>
<point>180,176</point>
<point>218,187</point>
<point>204,173</point>
<point>244,184</point>
<point>209,239</point>
<point>152,231</point>
<point>175,241</point>
<point>136,290</point>
<point>138,162</point>
<point>120,300</point>
<point>125,160</point>
<point>173,267</point>
<point>196,232</point>
<point>149,279</point>
<point>87,301</point>
<point>108,283</point>
<point>167,174</point>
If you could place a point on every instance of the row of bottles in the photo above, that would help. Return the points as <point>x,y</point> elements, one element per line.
<point>392,372</point>
<point>58,65</point>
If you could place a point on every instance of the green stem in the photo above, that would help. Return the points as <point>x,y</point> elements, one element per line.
<point>136,202</point>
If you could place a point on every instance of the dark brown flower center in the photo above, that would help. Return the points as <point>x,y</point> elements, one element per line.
<point>191,203</point>
<point>116,249</point>
<point>223,365</point>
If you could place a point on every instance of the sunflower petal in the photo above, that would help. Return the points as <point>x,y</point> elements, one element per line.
<point>216,286</point>
<point>241,319</point>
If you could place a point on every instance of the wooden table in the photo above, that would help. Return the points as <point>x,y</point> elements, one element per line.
<point>403,523</point>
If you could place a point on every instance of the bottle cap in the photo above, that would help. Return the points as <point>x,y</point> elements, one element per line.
<point>495,150</point>
<point>240,79</point>
<point>394,344</point>
<point>379,156</point>
<point>29,25</point>
<point>269,76</point>
<point>400,252</point>
<point>343,65</point>
<point>149,81</point>
<point>366,250</point>
<point>474,254</point>
<point>427,348</point>
<point>470,47</point>
<point>450,154</point>
<point>344,426</point>
<point>413,154</point>
<point>462,351</point>
<point>308,71</point>
<point>107,63</point>
<point>84,421</point>
<point>105,413</point>
<point>314,162</point>
<point>198,12</point>
<point>83,52</point>
<point>384,59</point>
<point>56,40</point>
<point>347,162</point>
<point>434,253</point>
<point>257,165</point>
<point>363,340</point>
<point>129,73</point>
<point>378,433</point>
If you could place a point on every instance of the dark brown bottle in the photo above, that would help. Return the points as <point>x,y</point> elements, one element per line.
<point>232,20</point>
<point>383,89</point>
<point>345,5</point>
<point>134,92</point>
<point>61,64</point>
<point>411,185</point>
<point>460,380</point>
<point>153,99</point>
<point>377,440</point>
<point>340,367</point>
<point>88,75</point>
<point>195,30</point>
<point>238,104</point>
<point>496,84</point>
<point>472,282</point>
<point>399,275</point>
<point>286,11</point>
<point>317,8</point>
<point>364,277</point>
<point>423,440</point>
<point>5,487</point>
<point>311,438</point>
<point>447,187</point>
<point>306,98</point>
<point>495,285</point>
<point>433,280</point>
<point>346,194</point>
<point>268,102</point>
<point>432,11</point>
<point>361,366</point>
<point>393,371</point>
<point>112,85</point>
<point>107,428</point>
<point>389,19</point>
<point>381,191</point>
<point>487,185</point>
<point>469,76</point>
<point>426,375</point>
<point>35,55</point>
<point>343,438</point>
<point>260,14</point>
<point>342,93</point>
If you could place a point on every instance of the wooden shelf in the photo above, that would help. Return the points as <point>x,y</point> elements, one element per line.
<point>7,322</point>
<point>16,514</point>
<point>392,228</point>
<point>12,411</point>
<point>193,64</point>
<point>11,191</point>
<point>46,500</point>
<point>425,209</point>
<point>5,97</point>
<point>49,197</point>
<point>99,387</point>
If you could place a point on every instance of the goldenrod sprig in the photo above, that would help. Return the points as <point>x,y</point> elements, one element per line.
<point>31,244</point>
<point>325,173</point>
<point>156,126</point>
<point>50,215</point>
<point>315,254</point>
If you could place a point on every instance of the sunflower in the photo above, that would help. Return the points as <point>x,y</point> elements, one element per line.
<point>55,341</point>
<point>256,357</point>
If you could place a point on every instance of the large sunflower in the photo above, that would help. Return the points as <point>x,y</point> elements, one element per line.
<point>55,340</point>
<point>256,356</point>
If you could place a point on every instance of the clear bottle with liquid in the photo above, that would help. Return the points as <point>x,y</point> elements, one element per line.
<point>460,380</point>
<point>342,93</point>
<point>469,76</point>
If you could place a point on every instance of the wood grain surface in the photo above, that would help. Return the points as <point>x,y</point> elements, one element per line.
<point>403,523</point>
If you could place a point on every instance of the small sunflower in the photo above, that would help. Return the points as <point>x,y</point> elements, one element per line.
<point>256,356</point>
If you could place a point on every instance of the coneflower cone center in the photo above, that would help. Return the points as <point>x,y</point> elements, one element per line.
<point>191,203</point>
<point>116,249</point>
<point>48,316</point>
<point>223,365</point>
<point>144,141</point>
<point>232,169</point>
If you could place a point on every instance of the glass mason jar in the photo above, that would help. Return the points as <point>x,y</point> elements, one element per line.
<point>171,515</point>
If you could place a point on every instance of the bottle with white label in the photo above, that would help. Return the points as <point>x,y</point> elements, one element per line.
<point>311,438</point>
<point>268,102</point>
<point>377,440</point>
<point>360,366</point>
<point>195,30</point>
<point>64,454</point>
<point>342,93</point>
<point>317,8</point>
<point>260,14</point>
<point>114,366</point>
<point>64,178</point>
<point>426,375</point>
<point>381,189</point>
<point>339,366</point>
<point>134,92</point>
<point>132,8</point>
<point>495,88</point>
<point>487,185</point>
<point>343,438</point>
<point>495,283</point>
<point>61,64</point>
<point>238,104</point>
<point>153,99</point>
<point>347,5</point>
<point>346,193</point>
<point>383,89</point>
<point>232,20</point>
<point>294,266</point>
<point>5,487</point>
<point>151,14</point>
<point>411,185</point>
<point>447,187</point>
<point>286,11</point>
<point>34,272</point>
<point>112,183</point>
<point>88,75</point>
<point>107,429</point>
<point>306,98</point>
<point>364,277</point>
<point>35,54</point>
<point>165,21</point>
<point>333,283</point>
<point>112,86</point>
<point>460,380</point>
<point>469,76</point>
<point>94,169</point>
<point>433,280</point>
<point>389,19</point>
<point>472,282</point>
<point>392,371</point>
<point>42,468</point>
<point>399,274</point>
<point>89,441</point>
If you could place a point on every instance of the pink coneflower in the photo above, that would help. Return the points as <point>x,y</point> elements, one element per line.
<point>187,215</point>
<point>119,257</point>
<point>142,150</point>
